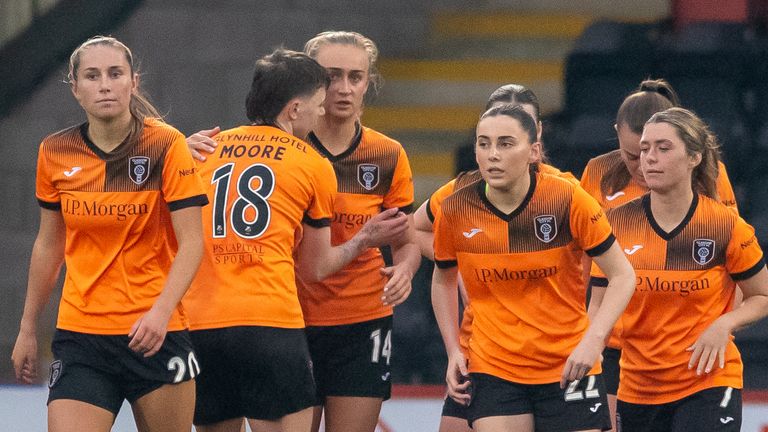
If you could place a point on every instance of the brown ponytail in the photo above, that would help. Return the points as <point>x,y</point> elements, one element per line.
<point>650,97</point>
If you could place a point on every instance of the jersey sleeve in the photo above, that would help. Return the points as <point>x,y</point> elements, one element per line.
<point>320,211</point>
<point>433,207</point>
<point>744,258</point>
<point>47,195</point>
<point>724,188</point>
<point>589,224</point>
<point>445,252</point>
<point>400,193</point>
<point>182,186</point>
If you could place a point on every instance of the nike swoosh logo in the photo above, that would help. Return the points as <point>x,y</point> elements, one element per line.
<point>726,420</point>
<point>472,232</point>
<point>634,249</point>
<point>72,172</point>
<point>595,408</point>
<point>614,196</point>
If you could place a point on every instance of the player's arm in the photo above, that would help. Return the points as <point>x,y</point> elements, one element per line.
<point>406,259</point>
<point>148,333</point>
<point>44,268</point>
<point>712,343</point>
<point>423,231</point>
<point>317,259</point>
<point>445,304</point>
<point>621,286</point>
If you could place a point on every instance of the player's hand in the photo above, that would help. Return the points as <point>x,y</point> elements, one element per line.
<point>457,378</point>
<point>398,287</point>
<point>710,346</point>
<point>148,332</point>
<point>386,228</point>
<point>581,360</point>
<point>24,357</point>
<point>202,142</point>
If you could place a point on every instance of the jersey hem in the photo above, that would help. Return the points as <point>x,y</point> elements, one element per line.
<point>346,320</point>
<point>651,400</point>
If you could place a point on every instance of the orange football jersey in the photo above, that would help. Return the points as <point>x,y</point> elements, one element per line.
<point>593,176</point>
<point>522,272</point>
<point>119,240</point>
<point>372,175</point>
<point>263,183</point>
<point>685,281</point>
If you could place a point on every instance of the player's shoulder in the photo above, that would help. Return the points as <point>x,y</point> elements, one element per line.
<point>466,178</point>
<point>63,137</point>
<point>155,127</point>
<point>381,142</point>
<point>597,166</point>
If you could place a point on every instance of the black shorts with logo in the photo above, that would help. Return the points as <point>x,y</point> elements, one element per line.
<point>714,409</point>
<point>581,405</point>
<point>251,371</point>
<point>101,370</point>
<point>611,370</point>
<point>352,359</point>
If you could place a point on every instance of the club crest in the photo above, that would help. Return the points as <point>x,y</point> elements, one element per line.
<point>368,175</point>
<point>545,227</point>
<point>56,369</point>
<point>138,169</point>
<point>703,251</point>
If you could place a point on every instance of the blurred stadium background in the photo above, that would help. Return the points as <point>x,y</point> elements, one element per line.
<point>440,60</point>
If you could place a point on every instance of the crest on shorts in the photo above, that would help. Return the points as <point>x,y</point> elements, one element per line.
<point>546,227</point>
<point>138,169</point>
<point>703,251</point>
<point>56,369</point>
<point>368,175</point>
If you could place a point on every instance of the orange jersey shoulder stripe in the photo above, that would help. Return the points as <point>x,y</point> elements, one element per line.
<point>373,174</point>
<point>263,183</point>
<point>119,240</point>
<point>523,275</point>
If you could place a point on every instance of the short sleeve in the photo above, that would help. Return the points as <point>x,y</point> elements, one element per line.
<point>589,224</point>
<point>445,252</point>
<point>744,258</point>
<point>320,211</point>
<point>436,200</point>
<point>182,186</point>
<point>400,193</point>
<point>46,193</point>
<point>724,188</point>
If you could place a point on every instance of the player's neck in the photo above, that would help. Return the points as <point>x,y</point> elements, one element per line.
<point>669,208</point>
<point>107,135</point>
<point>509,199</point>
<point>335,135</point>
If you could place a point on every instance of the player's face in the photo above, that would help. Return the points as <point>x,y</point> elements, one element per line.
<point>664,160</point>
<point>504,151</point>
<point>347,66</point>
<point>308,112</point>
<point>629,146</point>
<point>104,83</point>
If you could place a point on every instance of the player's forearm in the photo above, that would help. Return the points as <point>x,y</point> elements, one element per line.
<point>44,268</point>
<point>180,276</point>
<point>617,295</point>
<point>446,307</point>
<point>407,255</point>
